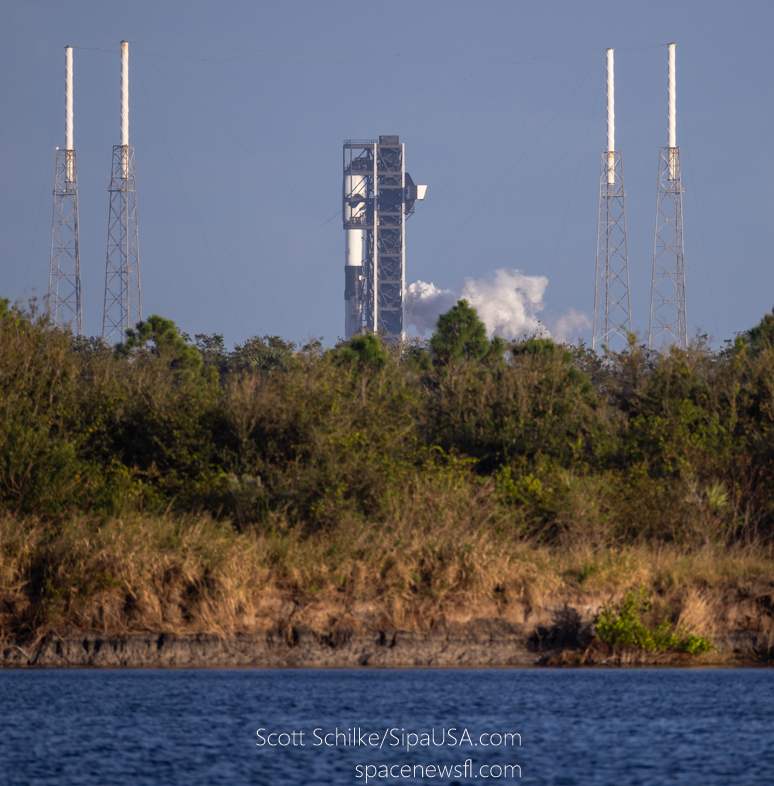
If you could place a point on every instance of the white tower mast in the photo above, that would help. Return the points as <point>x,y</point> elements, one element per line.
<point>69,102</point>
<point>672,95</point>
<point>610,118</point>
<point>124,104</point>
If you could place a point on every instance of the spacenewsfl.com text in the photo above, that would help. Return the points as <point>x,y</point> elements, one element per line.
<point>467,770</point>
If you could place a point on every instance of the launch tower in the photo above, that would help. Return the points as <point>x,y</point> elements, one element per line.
<point>64,280</point>
<point>612,306</point>
<point>378,197</point>
<point>667,295</point>
<point>123,304</point>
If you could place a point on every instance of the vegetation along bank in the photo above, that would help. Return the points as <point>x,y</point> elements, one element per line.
<point>460,501</point>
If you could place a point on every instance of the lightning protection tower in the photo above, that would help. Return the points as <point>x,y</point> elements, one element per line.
<point>668,322</point>
<point>123,305</point>
<point>378,197</point>
<point>612,306</point>
<point>64,280</point>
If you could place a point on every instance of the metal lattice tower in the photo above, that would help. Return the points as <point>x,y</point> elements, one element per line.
<point>668,322</point>
<point>378,197</point>
<point>612,304</point>
<point>123,303</point>
<point>64,280</point>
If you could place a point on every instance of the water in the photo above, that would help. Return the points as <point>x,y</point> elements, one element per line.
<point>600,727</point>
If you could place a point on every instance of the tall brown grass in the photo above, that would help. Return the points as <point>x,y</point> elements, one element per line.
<point>430,562</point>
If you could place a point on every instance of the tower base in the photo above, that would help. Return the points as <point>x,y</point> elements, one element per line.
<point>612,304</point>
<point>668,321</point>
<point>64,280</point>
<point>123,302</point>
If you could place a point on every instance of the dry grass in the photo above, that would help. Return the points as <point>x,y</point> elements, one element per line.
<point>194,574</point>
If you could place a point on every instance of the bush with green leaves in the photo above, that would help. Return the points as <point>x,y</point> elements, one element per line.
<point>621,625</point>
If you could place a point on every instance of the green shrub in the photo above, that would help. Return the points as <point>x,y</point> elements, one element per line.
<point>620,624</point>
<point>365,351</point>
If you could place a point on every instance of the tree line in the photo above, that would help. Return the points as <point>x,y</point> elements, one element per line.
<point>558,441</point>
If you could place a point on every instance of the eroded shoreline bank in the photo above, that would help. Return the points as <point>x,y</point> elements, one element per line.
<point>558,636</point>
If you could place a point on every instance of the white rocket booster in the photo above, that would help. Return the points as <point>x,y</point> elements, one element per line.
<point>354,211</point>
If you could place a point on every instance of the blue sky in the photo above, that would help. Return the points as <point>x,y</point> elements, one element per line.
<point>238,111</point>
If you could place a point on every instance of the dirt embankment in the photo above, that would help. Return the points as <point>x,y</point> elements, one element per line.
<point>558,631</point>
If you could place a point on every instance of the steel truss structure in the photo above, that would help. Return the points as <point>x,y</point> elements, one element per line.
<point>378,197</point>
<point>123,302</point>
<point>668,322</point>
<point>612,304</point>
<point>64,280</point>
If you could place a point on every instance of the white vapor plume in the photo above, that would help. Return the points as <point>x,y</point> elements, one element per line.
<point>570,324</point>
<point>508,302</point>
<point>425,303</point>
